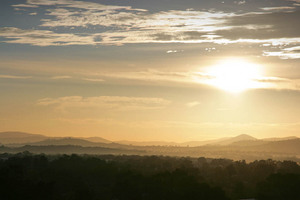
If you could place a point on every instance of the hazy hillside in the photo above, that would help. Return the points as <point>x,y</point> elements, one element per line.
<point>150,143</point>
<point>221,141</point>
<point>66,141</point>
<point>285,146</point>
<point>242,147</point>
<point>279,139</point>
<point>238,138</point>
<point>20,137</point>
<point>96,139</point>
<point>36,139</point>
<point>70,149</point>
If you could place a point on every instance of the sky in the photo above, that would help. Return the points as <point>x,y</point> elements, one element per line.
<point>159,70</point>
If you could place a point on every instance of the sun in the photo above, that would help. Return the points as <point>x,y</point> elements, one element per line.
<point>234,75</point>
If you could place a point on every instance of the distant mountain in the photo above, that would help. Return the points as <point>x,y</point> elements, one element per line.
<point>150,143</point>
<point>265,141</point>
<point>237,148</point>
<point>65,141</point>
<point>69,141</point>
<point>96,139</point>
<point>221,141</point>
<point>19,137</point>
<point>249,143</point>
<point>284,146</point>
<point>201,143</point>
<point>262,141</point>
<point>232,140</point>
<point>280,139</point>
<point>70,149</point>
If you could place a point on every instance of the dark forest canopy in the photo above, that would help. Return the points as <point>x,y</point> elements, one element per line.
<point>28,176</point>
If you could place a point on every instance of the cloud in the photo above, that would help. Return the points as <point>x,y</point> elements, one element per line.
<point>262,26</point>
<point>279,8</point>
<point>174,51</point>
<point>193,78</point>
<point>152,75</point>
<point>61,77</point>
<point>286,53</point>
<point>297,1</point>
<point>71,4</point>
<point>93,79</point>
<point>44,37</point>
<point>193,104</point>
<point>127,18</point>
<point>120,103</point>
<point>134,26</point>
<point>273,80</point>
<point>279,83</point>
<point>240,2</point>
<point>99,24</point>
<point>25,6</point>
<point>14,77</point>
<point>129,25</point>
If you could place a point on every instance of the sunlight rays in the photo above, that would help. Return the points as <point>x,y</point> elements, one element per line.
<point>234,75</point>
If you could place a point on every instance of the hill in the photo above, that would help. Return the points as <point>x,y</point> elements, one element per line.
<point>66,141</point>
<point>241,147</point>
<point>221,141</point>
<point>96,139</point>
<point>20,137</point>
<point>232,140</point>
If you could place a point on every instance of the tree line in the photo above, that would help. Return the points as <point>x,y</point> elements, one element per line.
<point>29,176</point>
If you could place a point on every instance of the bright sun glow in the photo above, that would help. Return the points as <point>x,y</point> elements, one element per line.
<point>234,75</point>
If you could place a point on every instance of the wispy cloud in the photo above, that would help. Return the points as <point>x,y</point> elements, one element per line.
<point>120,103</point>
<point>152,75</point>
<point>25,5</point>
<point>71,4</point>
<point>286,53</point>
<point>131,25</point>
<point>44,37</point>
<point>194,78</point>
<point>14,77</point>
<point>279,8</point>
<point>240,2</point>
<point>174,51</point>
<point>118,25</point>
<point>93,79</point>
<point>61,77</point>
<point>193,104</point>
<point>298,1</point>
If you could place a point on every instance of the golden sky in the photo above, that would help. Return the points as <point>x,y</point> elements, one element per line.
<point>150,70</point>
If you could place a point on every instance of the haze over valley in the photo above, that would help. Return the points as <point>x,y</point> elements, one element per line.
<point>242,147</point>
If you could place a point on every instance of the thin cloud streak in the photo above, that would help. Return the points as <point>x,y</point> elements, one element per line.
<point>14,77</point>
<point>93,79</point>
<point>117,103</point>
<point>195,78</point>
<point>286,53</point>
<point>43,37</point>
<point>279,8</point>
<point>60,77</point>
